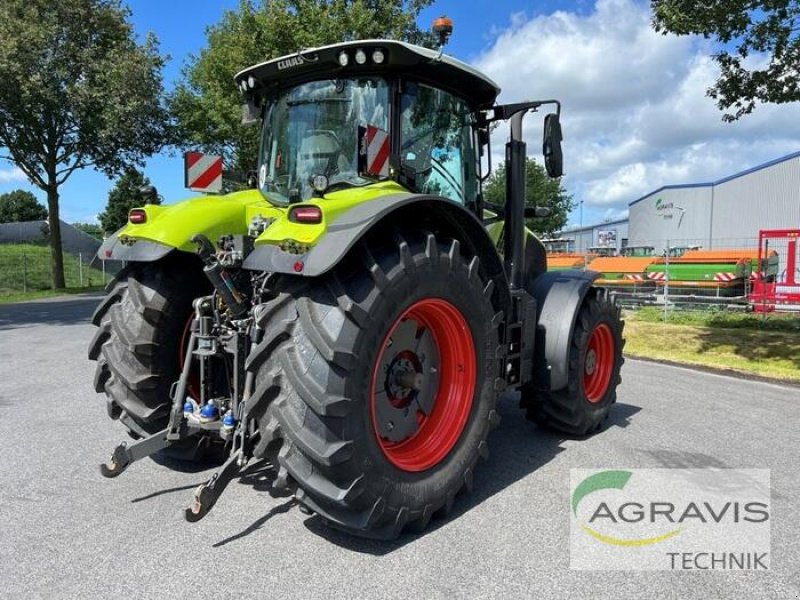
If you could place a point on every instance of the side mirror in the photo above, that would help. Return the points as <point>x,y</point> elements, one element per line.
<point>252,180</point>
<point>149,194</point>
<point>538,212</point>
<point>251,114</point>
<point>551,146</point>
<point>485,149</point>
<point>484,137</point>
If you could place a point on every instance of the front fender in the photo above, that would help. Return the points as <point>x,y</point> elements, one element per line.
<point>559,296</point>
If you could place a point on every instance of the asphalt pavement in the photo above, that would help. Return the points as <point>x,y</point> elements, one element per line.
<point>65,532</point>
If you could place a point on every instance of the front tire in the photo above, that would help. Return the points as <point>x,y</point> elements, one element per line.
<point>595,361</point>
<point>350,409</point>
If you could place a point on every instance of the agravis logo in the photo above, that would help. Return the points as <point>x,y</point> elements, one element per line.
<point>666,210</point>
<point>613,480</point>
<point>670,519</point>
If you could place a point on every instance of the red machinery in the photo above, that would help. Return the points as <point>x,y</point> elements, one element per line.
<point>781,291</point>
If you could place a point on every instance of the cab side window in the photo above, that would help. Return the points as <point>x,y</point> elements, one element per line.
<point>437,143</point>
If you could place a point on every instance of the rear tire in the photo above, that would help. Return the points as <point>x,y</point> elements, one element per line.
<point>322,369</point>
<point>595,361</point>
<point>140,323</point>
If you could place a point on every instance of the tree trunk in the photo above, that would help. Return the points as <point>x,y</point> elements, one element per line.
<point>56,254</point>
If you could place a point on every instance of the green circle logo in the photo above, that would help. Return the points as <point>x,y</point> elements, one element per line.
<point>611,480</point>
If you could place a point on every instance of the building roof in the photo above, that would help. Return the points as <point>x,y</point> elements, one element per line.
<point>595,226</point>
<point>766,165</point>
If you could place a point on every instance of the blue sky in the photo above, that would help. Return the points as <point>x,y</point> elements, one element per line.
<point>635,112</point>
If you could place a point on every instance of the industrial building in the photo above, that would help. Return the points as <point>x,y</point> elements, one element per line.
<point>611,234</point>
<point>726,213</point>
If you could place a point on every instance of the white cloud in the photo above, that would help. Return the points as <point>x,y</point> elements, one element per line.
<point>635,111</point>
<point>12,175</point>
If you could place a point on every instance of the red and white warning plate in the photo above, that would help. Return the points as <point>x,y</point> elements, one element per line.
<point>373,151</point>
<point>203,172</point>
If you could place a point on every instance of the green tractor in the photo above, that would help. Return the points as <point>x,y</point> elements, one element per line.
<point>352,320</point>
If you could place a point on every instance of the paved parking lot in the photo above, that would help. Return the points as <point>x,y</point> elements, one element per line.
<point>67,532</point>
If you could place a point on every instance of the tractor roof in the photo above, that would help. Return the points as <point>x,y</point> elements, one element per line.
<point>398,58</point>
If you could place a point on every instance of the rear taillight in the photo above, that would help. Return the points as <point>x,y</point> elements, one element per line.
<point>137,216</point>
<point>305,214</point>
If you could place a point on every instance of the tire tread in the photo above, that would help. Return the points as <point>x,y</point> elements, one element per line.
<point>304,428</point>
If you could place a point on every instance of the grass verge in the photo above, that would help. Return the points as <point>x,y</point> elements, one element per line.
<point>744,343</point>
<point>38,294</point>
<point>724,319</point>
<point>25,272</point>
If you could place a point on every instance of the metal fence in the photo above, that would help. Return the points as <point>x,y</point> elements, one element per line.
<point>670,294</point>
<point>27,268</point>
<point>716,244</point>
<point>727,285</point>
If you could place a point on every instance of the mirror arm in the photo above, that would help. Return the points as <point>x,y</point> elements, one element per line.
<point>531,212</point>
<point>495,208</point>
<point>503,112</point>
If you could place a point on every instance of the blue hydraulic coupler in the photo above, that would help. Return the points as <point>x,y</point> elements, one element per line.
<point>229,422</point>
<point>209,412</point>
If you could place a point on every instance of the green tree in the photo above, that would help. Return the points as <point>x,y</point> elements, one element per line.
<point>76,91</point>
<point>207,104</point>
<point>92,229</point>
<point>121,199</point>
<point>540,190</point>
<point>20,205</point>
<point>742,28</point>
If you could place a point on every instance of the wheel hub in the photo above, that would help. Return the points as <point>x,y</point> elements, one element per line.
<point>423,385</point>
<point>410,381</point>
<point>591,361</point>
<point>401,382</point>
<point>598,363</point>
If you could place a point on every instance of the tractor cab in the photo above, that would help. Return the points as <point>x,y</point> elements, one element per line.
<point>638,251</point>
<point>558,245</point>
<point>678,251</point>
<point>604,251</point>
<point>353,114</point>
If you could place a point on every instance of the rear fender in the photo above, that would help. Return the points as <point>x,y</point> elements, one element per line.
<point>139,250</point>
<point>559,297</point>
<point>420,211</point>
<point>171,227</point>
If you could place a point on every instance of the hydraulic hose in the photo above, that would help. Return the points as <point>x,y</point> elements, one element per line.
<point>219,277</point>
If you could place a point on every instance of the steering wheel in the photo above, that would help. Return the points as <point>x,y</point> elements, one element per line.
<point>332,154</point>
